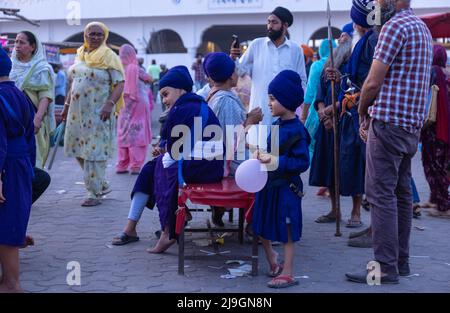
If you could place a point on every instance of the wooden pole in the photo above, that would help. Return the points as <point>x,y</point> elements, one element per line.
<point>336,198</point>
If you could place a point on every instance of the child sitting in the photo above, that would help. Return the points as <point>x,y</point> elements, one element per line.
<point>277,212</point>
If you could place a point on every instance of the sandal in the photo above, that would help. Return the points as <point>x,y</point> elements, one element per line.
<point>416,210</point>
<point>354,224</point>
<point>324,219</point>
<point>123,239</point>
<point>323,192</point>
<point>365,205</point>
<point>275,270</point>
<point>91,203</point>
<point>282,282</point>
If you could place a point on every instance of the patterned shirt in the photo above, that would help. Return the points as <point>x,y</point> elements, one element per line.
<point>405,44</point>
<point>199,72</point>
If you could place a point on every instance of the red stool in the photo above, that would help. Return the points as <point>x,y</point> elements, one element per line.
<point>223,194</point>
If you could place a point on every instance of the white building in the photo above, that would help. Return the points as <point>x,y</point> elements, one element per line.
<point>172,31</point>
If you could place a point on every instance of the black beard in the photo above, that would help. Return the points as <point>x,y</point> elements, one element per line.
<point>274,35</point>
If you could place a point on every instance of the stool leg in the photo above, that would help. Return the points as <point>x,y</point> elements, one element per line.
<point>241,225</point>
<point>255,256</point>
<point>181,253</point>
<point>230,216</point>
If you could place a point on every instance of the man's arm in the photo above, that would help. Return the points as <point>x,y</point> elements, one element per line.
<point>372,86</point>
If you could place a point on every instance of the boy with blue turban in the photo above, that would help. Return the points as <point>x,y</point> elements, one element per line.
<point>174,164</point>
<point>230,111</point>
<point>277,214</point>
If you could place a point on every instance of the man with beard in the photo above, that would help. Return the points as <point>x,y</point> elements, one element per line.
<point>352,148</point>
<point>322,166</point>
<point>268,56</point>
<point>397,91</point>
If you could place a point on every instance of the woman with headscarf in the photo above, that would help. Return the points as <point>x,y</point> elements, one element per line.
<point>17,156</point>
<point>436,139</point>
<point>34,76</point>
<point>134,130</point>
<point>97,84</point>
<point>309,115</point>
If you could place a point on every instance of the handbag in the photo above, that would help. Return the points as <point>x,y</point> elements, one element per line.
<point>432,105</point>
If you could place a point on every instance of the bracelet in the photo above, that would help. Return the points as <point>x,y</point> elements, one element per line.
<point>113,103</point>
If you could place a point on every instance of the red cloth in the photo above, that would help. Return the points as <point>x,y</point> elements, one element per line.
<point>223,194</point>
<point>442,117</point>
<point>439,24</point>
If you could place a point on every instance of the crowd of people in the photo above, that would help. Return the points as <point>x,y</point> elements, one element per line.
<point>382,78</point>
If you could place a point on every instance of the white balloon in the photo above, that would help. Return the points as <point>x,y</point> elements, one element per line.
<point>251,176</point>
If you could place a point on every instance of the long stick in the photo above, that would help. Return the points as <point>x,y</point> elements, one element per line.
<point>58,140</point>
<point>336,198</point>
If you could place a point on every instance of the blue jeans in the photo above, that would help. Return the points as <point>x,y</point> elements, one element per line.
<point>416,198</point>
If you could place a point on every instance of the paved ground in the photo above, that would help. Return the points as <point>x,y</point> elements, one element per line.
<point>66,232</point>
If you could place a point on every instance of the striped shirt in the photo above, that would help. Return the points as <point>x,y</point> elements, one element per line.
<point>405,44</point>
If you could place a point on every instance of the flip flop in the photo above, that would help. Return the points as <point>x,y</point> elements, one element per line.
<point>124,239</point>
<point>324,219</point>
<point>286,281</point>
<point>354,224</point>
<point>91,203</point>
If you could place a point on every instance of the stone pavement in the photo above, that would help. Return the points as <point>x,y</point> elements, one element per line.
<point>66,232</point>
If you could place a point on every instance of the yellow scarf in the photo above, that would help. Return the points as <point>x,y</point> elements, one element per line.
<point>102,57</point>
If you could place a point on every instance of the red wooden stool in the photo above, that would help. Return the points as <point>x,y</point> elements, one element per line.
<point>223,194</point>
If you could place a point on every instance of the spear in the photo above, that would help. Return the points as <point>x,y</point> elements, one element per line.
<point>336,198</point>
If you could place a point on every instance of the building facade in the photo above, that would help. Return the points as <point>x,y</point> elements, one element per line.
<point>173,31</point>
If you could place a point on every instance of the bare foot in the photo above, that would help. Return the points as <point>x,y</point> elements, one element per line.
<point>273,259</point>
<point>4,288</point>
<point>162,245</point>
<point>429,205</point>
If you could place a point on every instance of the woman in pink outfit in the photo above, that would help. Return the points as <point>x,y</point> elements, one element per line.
<point>134,124</point>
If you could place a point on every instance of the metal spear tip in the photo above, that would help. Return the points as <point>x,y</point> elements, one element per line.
<point>328,9</point>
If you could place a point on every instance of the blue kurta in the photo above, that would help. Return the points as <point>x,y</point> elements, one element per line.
<point>277,202</point>
<point>322,164</point>
<point>352,151</point>
<point>17,156</point>
<point>162,183</point>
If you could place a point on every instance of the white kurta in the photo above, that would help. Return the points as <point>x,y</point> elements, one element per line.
<point>263,61</point>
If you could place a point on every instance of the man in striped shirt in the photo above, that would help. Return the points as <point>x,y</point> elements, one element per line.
<point>398,82</point>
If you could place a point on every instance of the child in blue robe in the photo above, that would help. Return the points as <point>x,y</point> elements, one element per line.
<point>277,214</point>
<point>17,158</point>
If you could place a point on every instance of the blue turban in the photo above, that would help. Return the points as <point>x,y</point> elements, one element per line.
<point>177,77</point>
<point>205,61</point>
<point>287,88</point>
<point>219,66</point>
<point>348,28</point>
<point>5,63</point>
<point>360,12</point>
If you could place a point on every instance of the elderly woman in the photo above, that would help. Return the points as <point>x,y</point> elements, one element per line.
<point>17,155</point>
<point>97,84</point>
<point>34,76</point>
<point>436,140</point>
<point>134,131</point>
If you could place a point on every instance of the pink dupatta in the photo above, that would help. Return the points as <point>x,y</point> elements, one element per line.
<point>130,63</point>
